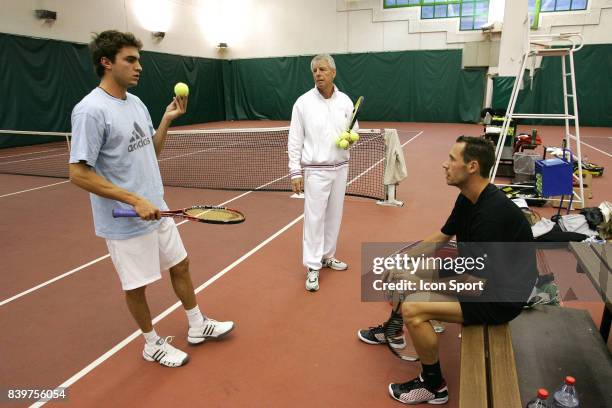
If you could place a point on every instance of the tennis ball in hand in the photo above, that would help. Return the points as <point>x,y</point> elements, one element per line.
<point>354,136</point>
<point>345,135</point>
<point>181,89</point>
<point>344,144</point>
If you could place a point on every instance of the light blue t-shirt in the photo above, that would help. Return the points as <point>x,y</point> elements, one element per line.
<point>115,137</point>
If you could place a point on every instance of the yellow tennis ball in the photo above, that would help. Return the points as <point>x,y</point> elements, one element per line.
<point>345,135</point>
<point>338,140</point>
<point>181,89</point>
<point>354,136</point>
<point>344,144</point>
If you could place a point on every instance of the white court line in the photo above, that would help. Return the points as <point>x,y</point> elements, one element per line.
<point>186,154</point>
<point>61,182</point>
<point>28,154</point>
<point>34,158</point>
<point>50,281</point>
<point>208,149</point>
<point>29,132</point>
<point>381,160</point>
<point>90,367</point>
<point>166,312</point>
<point>593,147</point>
<point>35,188</point>
<point>66,274</point>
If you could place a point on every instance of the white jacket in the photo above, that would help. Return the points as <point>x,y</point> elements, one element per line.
<point>316,122</point>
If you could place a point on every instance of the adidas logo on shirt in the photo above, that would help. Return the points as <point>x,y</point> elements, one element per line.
<point>139,139</point>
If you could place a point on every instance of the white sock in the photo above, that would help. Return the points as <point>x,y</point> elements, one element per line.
<point>195,317</point>
<point>150,337</point>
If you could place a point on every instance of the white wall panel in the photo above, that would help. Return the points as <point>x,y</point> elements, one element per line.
<point>262,28</point>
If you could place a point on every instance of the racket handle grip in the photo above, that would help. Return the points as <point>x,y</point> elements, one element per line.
<point>124,212</point>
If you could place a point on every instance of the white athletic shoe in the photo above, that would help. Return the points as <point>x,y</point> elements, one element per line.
<point>164,353</point>
<point>209,330</point>
<point>334,264</point>
<point>312,280</point>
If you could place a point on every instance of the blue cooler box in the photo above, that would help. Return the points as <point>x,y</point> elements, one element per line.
<point>554,177</point>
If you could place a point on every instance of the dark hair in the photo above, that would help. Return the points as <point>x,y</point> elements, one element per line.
<point>479,149</point>
<point>107,44</point>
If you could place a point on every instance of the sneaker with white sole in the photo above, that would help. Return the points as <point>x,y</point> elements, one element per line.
<point>417,392</point>
<point>164,353</point>
<point>334,264</point>
<point>209,330</point>
<point>312,280</point>
<point>376,335</point>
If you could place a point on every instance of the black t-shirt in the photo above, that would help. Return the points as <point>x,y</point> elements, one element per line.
<point>493,218</point>
<point>497,225</point>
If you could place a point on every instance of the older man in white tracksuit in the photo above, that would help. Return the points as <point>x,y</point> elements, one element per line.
<point>318,167</point>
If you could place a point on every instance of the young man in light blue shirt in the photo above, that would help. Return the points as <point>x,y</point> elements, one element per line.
<point>114,157</point>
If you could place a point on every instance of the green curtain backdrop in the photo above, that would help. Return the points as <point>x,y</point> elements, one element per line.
<point>593,66</point>
<point>409,86</point>
<point>42,80</point>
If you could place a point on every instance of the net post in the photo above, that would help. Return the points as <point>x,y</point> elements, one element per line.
<point>390,200</point>
<point>395,168</point>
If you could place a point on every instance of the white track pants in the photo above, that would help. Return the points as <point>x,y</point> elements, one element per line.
<point>323,202</point>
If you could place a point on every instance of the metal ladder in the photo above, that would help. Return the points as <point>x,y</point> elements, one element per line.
<point>541,46</point>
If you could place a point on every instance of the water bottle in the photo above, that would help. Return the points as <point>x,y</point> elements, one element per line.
<point>566,397</point>
<point>540,401</point>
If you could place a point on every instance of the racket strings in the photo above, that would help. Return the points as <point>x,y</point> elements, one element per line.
<point>214,214</point>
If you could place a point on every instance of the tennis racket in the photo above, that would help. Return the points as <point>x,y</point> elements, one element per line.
<point>393,328</point>
<point>201,213</point>
<point>356,109</point>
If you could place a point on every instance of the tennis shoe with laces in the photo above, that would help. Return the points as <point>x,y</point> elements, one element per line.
<point>209,330</point>
<point>334,264</point>
<point>164,353</point>
<point>376,335</point>
<point>417,391</point>
<point>312,280</point>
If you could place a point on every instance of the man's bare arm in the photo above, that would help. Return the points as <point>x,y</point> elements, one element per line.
<point>84,177</point>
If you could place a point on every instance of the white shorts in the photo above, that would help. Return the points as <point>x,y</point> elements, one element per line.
<point>140,260</point>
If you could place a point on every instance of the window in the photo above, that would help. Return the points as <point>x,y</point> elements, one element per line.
<point>544,6</point>
<point>401,3</point>
<point>473,14</point>
<point>562,5</point>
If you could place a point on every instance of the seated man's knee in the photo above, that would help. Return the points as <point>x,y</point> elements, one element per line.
<point>411,312</point>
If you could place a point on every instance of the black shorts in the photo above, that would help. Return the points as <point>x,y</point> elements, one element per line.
<point>489,312</point>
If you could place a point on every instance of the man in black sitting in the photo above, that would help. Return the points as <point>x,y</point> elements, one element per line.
<point>483,217</point>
